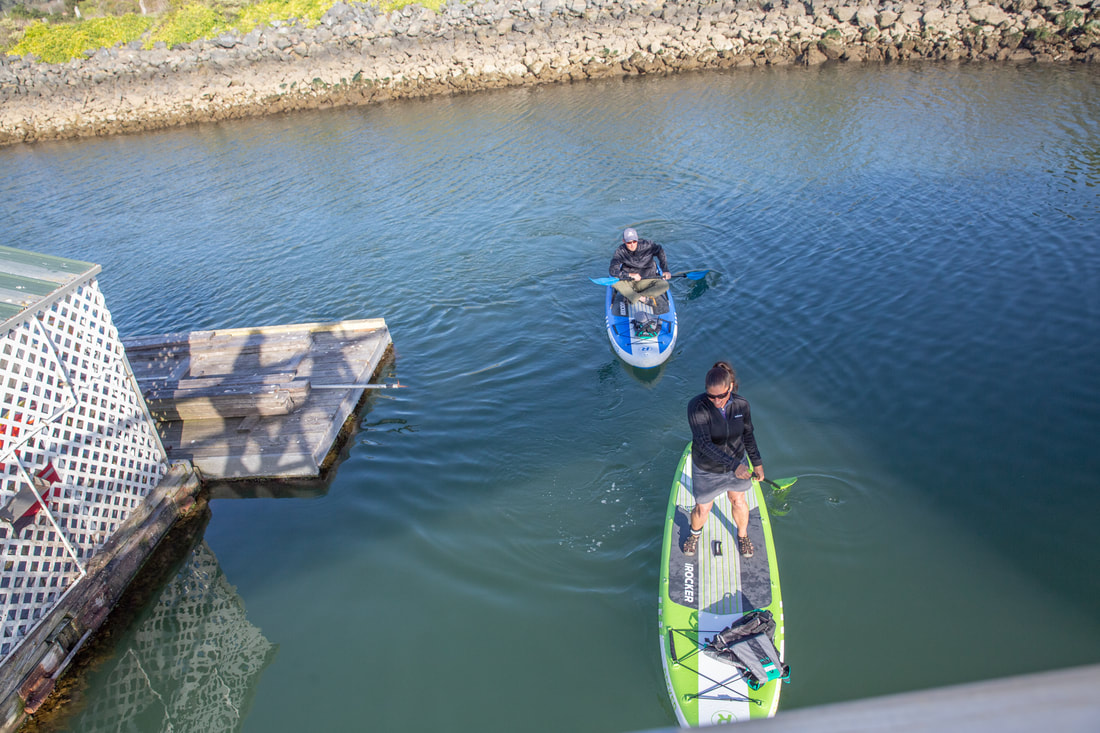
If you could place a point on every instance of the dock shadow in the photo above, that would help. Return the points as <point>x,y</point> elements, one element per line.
<point>265,404</point>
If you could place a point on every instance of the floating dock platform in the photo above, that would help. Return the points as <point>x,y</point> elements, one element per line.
<point>265,402</point>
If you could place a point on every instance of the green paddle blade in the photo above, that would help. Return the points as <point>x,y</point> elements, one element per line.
<point>777,498</point>
<point>777,507</point>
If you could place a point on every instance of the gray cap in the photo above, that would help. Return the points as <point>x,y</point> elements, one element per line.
<point>630,235</point>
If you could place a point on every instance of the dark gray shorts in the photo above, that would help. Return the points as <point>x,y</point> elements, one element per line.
<point>706,486</point>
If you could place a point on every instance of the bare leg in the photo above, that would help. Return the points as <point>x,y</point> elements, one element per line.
<point>700,512</point>
<point>740,512</point>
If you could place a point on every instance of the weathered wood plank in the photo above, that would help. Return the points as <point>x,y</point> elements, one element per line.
<point>190,402</point>
<point>243,380</point>
<point>213,381</point>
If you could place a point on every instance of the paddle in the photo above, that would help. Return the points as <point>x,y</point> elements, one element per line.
<point>692,274</point>
<point>777,499</point>
<point>781,484</point>
<point>689,274</point>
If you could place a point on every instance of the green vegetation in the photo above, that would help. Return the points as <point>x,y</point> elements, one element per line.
<point>1069,18</point>
<point>56,44</point>
<point>106,23</point>
<point>1041,34</point>
<point>10,33</point>
<point>188,23</point>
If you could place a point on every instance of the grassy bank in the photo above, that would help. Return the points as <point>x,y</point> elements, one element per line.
<point>94,24</point>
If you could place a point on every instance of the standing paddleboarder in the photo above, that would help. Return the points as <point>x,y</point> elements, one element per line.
<point>721,438</point>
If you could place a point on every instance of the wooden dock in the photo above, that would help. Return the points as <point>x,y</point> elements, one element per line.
<point>266,402</point>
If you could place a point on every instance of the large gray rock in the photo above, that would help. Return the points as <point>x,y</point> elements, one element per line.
<point>844,13</point>
<point>987,14</point>
<point>867,16</point>
<point>910,18</point>
<point>933,17</point>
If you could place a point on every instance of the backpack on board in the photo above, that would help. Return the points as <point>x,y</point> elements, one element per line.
<point>647,328</point>
<point>748,644</point>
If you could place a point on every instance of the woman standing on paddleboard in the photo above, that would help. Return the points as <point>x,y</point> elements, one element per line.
<point>721,437</point>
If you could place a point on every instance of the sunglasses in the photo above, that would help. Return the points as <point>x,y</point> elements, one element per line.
<point>719,397</point>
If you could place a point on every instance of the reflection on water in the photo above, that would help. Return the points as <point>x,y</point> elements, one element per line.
<point>193,664</point>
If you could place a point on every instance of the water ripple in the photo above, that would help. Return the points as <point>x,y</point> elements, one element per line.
<point>903,263</point>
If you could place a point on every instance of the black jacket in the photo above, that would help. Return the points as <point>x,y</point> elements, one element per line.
<point>640,261</point>
<point>718,442</point>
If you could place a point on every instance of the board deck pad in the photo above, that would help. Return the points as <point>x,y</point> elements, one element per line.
<point>703,594</point>
<point>734,584</point>
<point>635,350</point>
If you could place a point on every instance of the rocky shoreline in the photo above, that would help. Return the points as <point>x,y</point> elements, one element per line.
<point>359,55</point>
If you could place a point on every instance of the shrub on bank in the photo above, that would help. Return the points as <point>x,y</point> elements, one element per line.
<point>61,42</point>
<point>10,33</point>
<point>56,40</point>
<point>186,24</point>
<point>263,13</point>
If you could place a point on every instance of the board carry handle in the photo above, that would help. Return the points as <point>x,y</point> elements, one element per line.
<point>672,645</point>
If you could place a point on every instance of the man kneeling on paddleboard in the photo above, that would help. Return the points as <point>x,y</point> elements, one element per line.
<point>721,437</point>
<point>633,264</point>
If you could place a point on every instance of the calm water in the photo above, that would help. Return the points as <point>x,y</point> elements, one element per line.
<point>906,276</point>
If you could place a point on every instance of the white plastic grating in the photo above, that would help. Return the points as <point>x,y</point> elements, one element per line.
<point>75,432</point>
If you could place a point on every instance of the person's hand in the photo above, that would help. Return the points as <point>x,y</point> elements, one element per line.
<point>635,276</point>
<point>742,471</point>
<point>667,276</point>
<point>758,472</point>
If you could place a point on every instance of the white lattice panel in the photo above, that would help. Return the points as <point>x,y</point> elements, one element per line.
<point>74,434</point>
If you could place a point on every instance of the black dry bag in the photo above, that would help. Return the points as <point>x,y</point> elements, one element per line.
<point>748,644</point>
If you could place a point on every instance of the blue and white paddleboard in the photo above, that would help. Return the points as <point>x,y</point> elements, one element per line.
<point>642,335</point>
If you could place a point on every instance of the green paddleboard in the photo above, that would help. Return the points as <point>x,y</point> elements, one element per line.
<point>702,595</point>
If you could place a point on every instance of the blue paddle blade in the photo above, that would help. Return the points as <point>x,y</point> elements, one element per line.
<point>693,274</point>
<point>604,280</point>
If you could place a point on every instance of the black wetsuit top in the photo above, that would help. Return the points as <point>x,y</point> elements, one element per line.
<point>640,261</point>
<point>721,438</point>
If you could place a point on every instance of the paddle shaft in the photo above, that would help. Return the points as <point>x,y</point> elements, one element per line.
<point>690,274</point>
